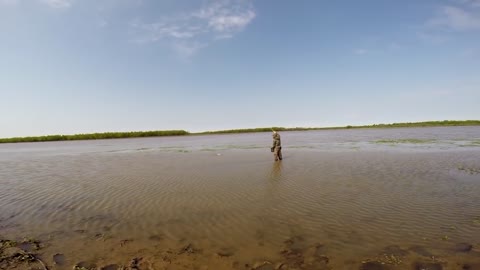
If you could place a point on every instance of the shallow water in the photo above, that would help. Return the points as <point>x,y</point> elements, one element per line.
<point>354,192</point>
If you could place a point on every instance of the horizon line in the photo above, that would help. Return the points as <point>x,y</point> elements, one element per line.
<point>177,132</point>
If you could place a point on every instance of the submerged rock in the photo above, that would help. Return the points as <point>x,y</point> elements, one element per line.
<point>475,266</point>
<point>263,266</point>
<point>293,258</point>
<point>156,237</point>
<point>395,250</point>
<point>427,266</point>
<point>111,267</point>
<point>225,252</point>
<point>463,247</point>
<point>373,266</point>
<point>420,251</point>
<point>59,259</point>
<point>28,247</point>
<point>124,242</point>
<point>134,263</point>
<point>296,243</point>
<point>85,266</point>
<point>319,251</point>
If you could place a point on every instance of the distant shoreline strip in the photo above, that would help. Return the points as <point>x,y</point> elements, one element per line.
<point>159,133</point>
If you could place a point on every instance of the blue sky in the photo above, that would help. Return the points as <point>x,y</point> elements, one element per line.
<point>75,66</point>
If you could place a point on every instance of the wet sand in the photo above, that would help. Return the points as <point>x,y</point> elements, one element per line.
<point>342,201</point>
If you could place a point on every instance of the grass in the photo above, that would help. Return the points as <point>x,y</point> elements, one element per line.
<point>253,130</point>
<point>447,123</point>
<point>136,134</point>
<point>96,136</point>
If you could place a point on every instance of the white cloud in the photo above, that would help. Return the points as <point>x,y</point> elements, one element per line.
<point>471,3</point>
<point>456,18</point>
<point>226,16</point>
<point>460,16</point>
<point>360,51</point>
<point>187,33</point>
<point>51,3</point>
<point>58,3</point>
<point>9,2</point>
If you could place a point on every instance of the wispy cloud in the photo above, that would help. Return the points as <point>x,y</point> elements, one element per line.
<point>8,2</point>
<point>187,33</point>
<point>58,3</point>
<point>460,15</point>
<point>456,18</point>
<point>376,46</point>
<point>50,3</point>
<point>226,16</point>
<point>360,51</point>
<point>471,3</point>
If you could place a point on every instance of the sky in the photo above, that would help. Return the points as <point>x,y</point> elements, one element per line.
<point>81,66</point>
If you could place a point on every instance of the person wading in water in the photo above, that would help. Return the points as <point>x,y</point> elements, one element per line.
<point>277,146</point>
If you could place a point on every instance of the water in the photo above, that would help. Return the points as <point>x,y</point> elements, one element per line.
<point>354,193</point>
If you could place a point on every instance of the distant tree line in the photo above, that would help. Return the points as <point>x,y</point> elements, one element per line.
<point>252,130</point>
<point>96,136</point>
<point>137,134</point>
<point>394,125</point>
<point>431,124</point>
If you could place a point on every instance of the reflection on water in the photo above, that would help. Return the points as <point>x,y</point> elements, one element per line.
<point>327,205</point>
<point>276,171</point>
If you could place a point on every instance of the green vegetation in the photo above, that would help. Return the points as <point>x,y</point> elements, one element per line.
<point>447,123</point>
<point>96,136</point>
<point>118,135</point>
<point>252,130</point>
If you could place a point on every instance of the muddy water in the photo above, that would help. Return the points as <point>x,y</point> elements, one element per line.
<point>345,199</point>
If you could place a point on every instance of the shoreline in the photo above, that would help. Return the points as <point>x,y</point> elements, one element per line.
<point>169,133</point>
